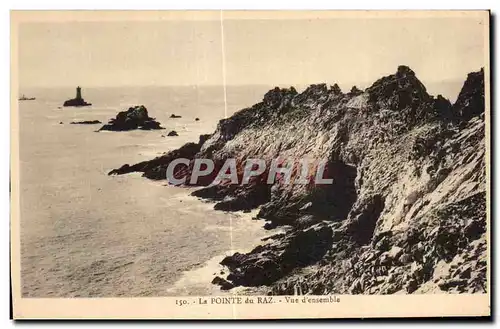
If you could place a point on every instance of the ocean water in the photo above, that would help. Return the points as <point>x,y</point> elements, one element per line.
<point>87,234</point>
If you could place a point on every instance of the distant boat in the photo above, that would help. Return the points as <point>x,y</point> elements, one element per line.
<point>24,98</point>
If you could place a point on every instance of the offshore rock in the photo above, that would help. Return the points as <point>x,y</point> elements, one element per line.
<point>134,118</point>
<point>85,122</point>
<point>77,101</point>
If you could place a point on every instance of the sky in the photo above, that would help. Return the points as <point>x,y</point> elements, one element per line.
<point>268,51</point>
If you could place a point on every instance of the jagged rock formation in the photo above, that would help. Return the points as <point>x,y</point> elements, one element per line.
<point>407,208</point>
<point>134,118</point>
<point>153,169</point>
<point>355,91</point>
<point>470,102</point>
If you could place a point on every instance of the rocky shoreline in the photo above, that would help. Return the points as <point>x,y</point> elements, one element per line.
<point>406,212</point>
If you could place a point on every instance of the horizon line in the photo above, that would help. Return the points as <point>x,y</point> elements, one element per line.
<point>221,84</point>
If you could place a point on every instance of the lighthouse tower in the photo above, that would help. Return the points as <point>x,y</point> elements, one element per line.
<point>78,92</point>
<point>78,100</point>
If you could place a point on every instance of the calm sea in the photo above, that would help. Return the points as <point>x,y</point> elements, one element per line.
<point>87,234</point>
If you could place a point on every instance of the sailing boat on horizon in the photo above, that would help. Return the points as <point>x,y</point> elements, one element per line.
<point>24,98</point>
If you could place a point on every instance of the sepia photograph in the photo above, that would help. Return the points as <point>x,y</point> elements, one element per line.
<point>250,164</point>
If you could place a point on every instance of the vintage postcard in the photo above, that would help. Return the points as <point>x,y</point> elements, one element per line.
<point>250,164</point>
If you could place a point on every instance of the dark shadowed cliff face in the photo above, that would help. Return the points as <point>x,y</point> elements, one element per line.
<point>470,102</point>
<point>406,210</point>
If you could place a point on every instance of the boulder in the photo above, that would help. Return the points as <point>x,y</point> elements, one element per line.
<point>224,284</point>
<point>267,263</point>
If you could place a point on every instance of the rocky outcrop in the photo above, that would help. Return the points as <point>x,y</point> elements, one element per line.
<point>406,211</point>
<point>156,169</point>
<point>134,118</point>
<point>77,101</point>
<point>355,91</point>
<point>85,122</point>
<point>470,102</point>
<point>266,264</point>
<point>224,284</point>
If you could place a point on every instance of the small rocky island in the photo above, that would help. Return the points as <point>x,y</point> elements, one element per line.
<point>78,100</point>
<point>134,118</point>
<point>85,122</point>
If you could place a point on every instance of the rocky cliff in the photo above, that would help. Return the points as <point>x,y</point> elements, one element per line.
<point>407,208</point>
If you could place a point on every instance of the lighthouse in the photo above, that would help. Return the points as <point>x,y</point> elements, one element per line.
<point>78,92</point>
<point>78,100</point>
